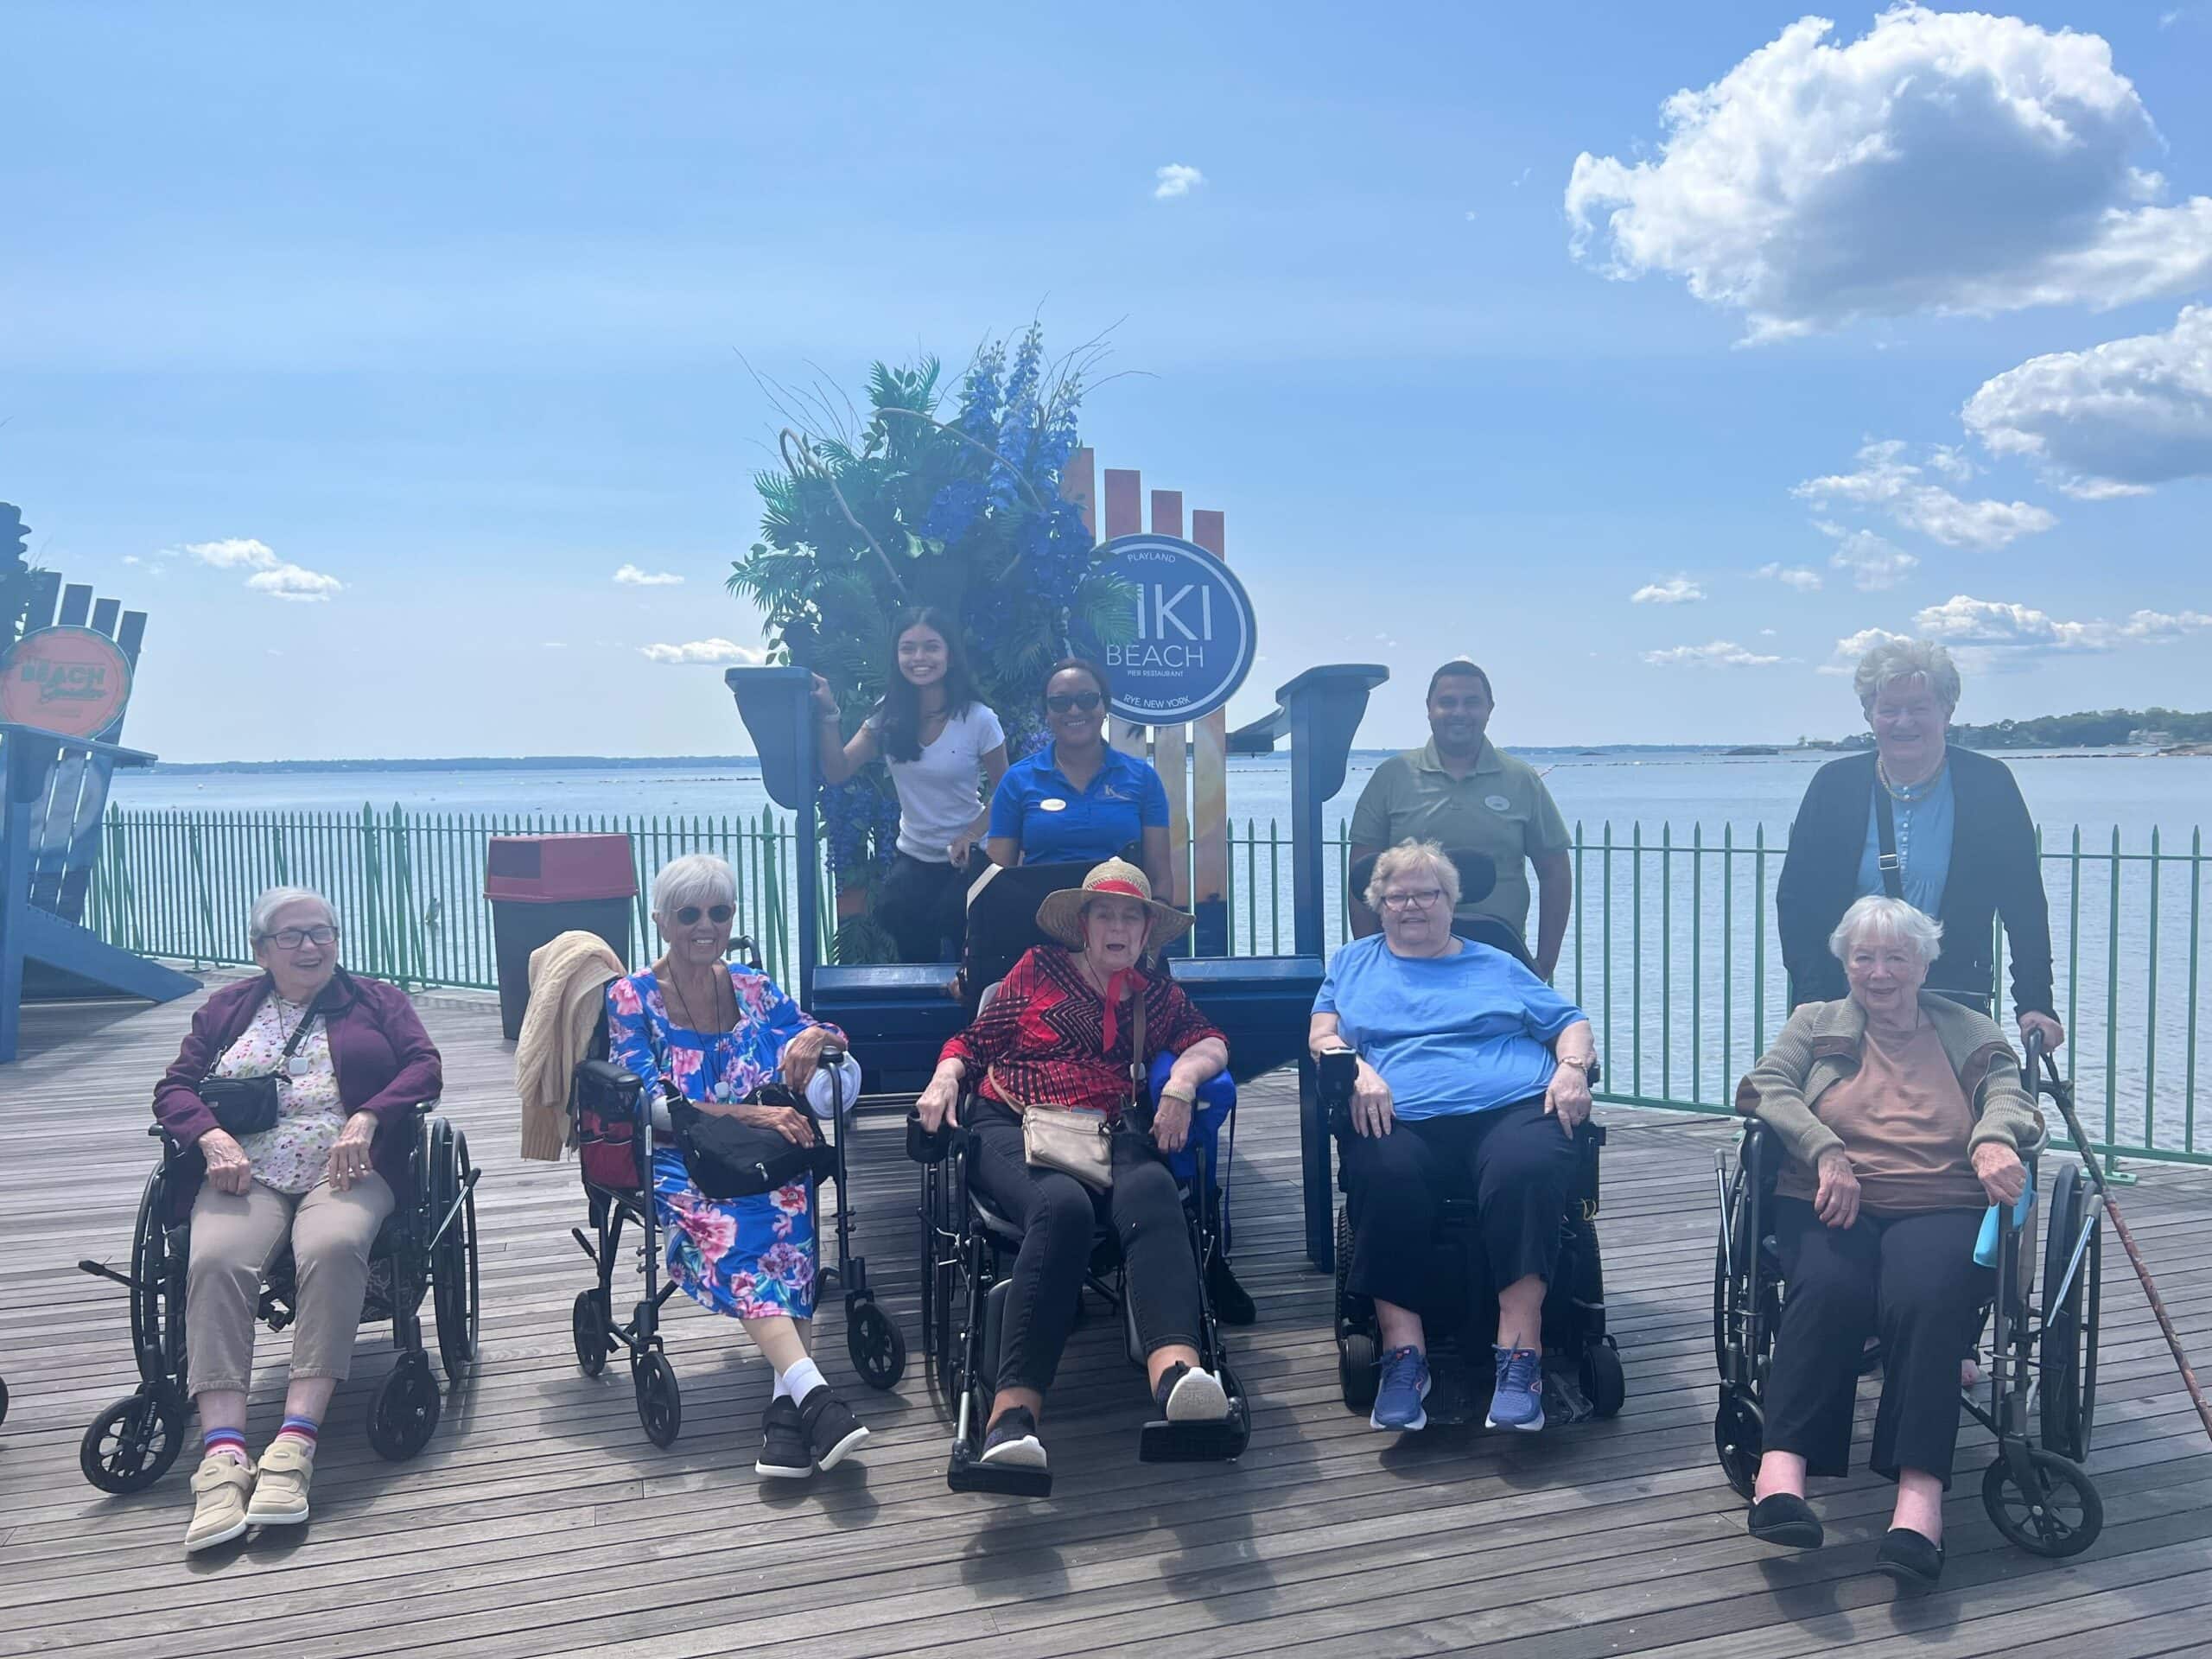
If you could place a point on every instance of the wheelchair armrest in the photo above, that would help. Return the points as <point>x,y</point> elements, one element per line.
<point>611,1079</point>
<point>927,1146</point>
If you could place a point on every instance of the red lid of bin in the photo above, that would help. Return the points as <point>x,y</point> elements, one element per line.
<point>547,869</point>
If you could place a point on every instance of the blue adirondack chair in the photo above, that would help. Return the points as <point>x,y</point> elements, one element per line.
<point>56,798</point>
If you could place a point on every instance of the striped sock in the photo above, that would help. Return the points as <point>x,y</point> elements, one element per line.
<point>227,1441</point>
<point>300,1427</point>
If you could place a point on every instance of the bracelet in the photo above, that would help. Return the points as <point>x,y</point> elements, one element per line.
<point>1580,1062</point>
<point>1185,1095</point>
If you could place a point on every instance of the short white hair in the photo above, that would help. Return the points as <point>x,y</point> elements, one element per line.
<point>1410,858</point>
<point>1885,918</point>
<point>1907,660</point>
<point>259,922</point>
<point>698,879</point>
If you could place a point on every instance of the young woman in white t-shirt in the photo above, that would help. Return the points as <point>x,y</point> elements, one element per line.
<point>947,753</point>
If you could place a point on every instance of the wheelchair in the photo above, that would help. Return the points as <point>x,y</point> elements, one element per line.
<point>427,1245</point>
<point>613,1132</point>
<point>2043,1371</point>
<point>967,1250</point>
<point>1583,1377</point>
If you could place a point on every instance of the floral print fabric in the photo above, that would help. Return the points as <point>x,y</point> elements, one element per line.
<point>751,1258</point>
<point>294,1156</point>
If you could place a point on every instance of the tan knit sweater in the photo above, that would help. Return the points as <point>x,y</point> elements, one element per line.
<point>569,976</point>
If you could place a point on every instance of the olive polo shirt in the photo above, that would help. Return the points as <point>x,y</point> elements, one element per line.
<point>1501,808</point>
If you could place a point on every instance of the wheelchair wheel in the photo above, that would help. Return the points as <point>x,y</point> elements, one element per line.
<point>660,1406</point>
<point>1721,1308</point>
<point>1739,1436</point>
<point>878,1347</point>
<point>454,1280</point>
<point>3,1399</point>
<point>1356,1372</point>
<point>132,1444</point>
<point>1604,1384</point>
<point>156,1275</point>
<point>2061,1517</point>
<point>404,1409</point>
<point>589,1325</point>
<point>1344,1268</point>
<point>2066,1356</point>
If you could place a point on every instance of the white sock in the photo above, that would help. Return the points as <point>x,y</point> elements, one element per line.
<point>800,1381</point>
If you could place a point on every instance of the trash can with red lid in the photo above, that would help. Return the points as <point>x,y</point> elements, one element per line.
<point>543,886</point>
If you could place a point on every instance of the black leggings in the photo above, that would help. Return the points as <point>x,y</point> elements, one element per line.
<point>1910,1278</point>
<point>923,905</point>
<point>1057,1214</point>
<point>1515,1160</point>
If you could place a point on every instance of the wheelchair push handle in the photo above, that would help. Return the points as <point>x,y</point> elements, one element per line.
<point>1338,1069</point>
<point>927,1146</point>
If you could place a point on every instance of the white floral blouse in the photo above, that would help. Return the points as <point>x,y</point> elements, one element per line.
<point>294,1156</point>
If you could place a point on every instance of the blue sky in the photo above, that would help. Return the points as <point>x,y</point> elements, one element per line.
<point>443,305</point>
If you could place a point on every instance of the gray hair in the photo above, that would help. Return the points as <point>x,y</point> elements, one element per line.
<point>1887,918</point>
<point>1410,858</point>
<point>257,926</point>
<point>1907,660</point>
<point>698,879</point>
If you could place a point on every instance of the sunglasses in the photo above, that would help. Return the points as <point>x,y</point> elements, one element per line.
<point>1061,702</point>
<point>715,913</point>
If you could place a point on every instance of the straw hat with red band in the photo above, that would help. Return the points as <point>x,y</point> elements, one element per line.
<point>1060,917</point>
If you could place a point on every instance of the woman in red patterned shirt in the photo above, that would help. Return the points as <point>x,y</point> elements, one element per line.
<point>1060,1032</point>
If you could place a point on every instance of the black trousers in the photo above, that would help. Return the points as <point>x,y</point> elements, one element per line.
<point>1057,1214</point>
<point>922,906</point>
<point>1910,1278</point>
<point>1516,1162</point>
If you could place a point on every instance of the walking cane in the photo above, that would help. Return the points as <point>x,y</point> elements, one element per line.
<point>2059,1090</point>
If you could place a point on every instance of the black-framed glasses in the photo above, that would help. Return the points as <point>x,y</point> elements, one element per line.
<point>1420,900</point>
<point>1061,702</point>
<point>715,913</point>
<point>291,939</point>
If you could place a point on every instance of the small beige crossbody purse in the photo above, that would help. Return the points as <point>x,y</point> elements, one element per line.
<point>1072,1139</point>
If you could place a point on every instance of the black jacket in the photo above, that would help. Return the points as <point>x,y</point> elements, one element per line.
<point>1995,871</point>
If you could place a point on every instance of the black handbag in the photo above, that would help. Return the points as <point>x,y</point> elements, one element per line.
<point>252,1105</point>
<point>728,1159</point>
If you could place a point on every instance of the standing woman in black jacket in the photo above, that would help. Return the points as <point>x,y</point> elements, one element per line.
<point>1955,841</point>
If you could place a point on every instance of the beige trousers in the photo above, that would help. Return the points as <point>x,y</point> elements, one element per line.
<point>235,1235</point>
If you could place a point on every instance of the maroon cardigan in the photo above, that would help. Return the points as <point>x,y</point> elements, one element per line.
<point>386,1063</point>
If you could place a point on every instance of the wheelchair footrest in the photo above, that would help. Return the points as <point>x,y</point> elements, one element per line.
<point>1457,1394</point>
<point>968,1473</point>
<point>1161,1441</point>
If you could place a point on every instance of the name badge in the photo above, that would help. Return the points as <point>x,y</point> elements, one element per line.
<point>1051,803</point>
<point>1496,803</point>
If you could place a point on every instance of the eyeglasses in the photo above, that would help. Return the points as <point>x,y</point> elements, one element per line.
<point>1061,702</point>
<point>715,914</point>
<point>291,939</point>
<point>1420,900</point>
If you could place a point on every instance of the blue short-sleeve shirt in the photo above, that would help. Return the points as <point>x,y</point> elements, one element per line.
<point>1055,823</point>
<point>1467,1033</point>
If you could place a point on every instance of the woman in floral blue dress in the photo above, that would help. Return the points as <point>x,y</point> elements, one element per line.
<point>717,1030</point>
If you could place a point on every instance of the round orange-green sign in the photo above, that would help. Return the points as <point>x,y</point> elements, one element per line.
<point>69,680</point>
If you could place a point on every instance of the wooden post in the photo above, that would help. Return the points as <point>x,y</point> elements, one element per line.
<point>1124,516</point>
<point>1169,743</point>
<point>1209,791</point>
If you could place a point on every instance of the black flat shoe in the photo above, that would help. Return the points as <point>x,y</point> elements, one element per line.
<point>1910,1558</point>
<point>1785,1520</point>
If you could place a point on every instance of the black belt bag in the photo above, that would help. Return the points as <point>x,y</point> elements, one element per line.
<point>252,1105</point>
<point>728,1159</point>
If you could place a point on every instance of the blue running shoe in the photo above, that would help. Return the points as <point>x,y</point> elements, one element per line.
<point>1518,1400</point>
<point>1403,1386</point>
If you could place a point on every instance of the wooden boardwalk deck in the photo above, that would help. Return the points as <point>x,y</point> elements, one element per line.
<point>541,1522</point>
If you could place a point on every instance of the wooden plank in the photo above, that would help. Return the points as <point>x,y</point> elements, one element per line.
<point>1124,516</point>
<point>1209,789</point>
<point>1170,753</point>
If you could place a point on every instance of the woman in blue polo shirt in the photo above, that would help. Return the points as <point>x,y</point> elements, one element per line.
<point>1078,800</point>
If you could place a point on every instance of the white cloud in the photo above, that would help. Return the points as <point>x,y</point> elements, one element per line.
<point>1803,578</point>
<point>290,581</point>
<point>552,644</point>
<point>2162,628</point>
<point>1852,647</point>
<point>1176,180</point>
<point>132,558</point>
<point>1721,653</point>
<point>711,652</point>
<point>231,554</point>
<point>630,576</point>
<point>1999,635</point>
<point>2113,420</point>
<point>1886,481</point>
<point>1875,565</point>
<point>1943,163</point>
<point>1675,590</point>
<point>1950,460</point>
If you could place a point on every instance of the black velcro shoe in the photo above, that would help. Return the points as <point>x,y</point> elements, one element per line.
<point>1013,1440</point>
<point>1787,1520</point>
<point>1232,1303</point>
<point>1909,1558</point>
<point>783,1455</point>
<point>831,1432</point>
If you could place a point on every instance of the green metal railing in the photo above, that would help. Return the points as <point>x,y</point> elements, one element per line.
<point>1667,946</point>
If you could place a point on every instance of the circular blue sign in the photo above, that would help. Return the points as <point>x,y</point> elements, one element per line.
<point>1194,635</point>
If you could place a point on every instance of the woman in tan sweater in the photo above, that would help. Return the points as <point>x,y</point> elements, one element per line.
<point>1903,1117</point>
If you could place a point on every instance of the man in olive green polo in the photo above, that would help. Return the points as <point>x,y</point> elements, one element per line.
<point>1461,790</point>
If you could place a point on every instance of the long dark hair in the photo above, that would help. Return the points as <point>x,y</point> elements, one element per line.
<point>899,729</point>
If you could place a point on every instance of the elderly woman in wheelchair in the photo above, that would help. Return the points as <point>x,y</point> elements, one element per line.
<point>1073,1026</point>
<point>1470,1071</point>
<point>1902,1117</point>
<point>293,1104</point>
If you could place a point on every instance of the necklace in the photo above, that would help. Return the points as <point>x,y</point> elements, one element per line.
<point>1909,792</point>
<point>684,1008</point>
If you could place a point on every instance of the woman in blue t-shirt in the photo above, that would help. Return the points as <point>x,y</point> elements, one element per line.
<point>1473,1073</point>
<point>1078,800</point>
